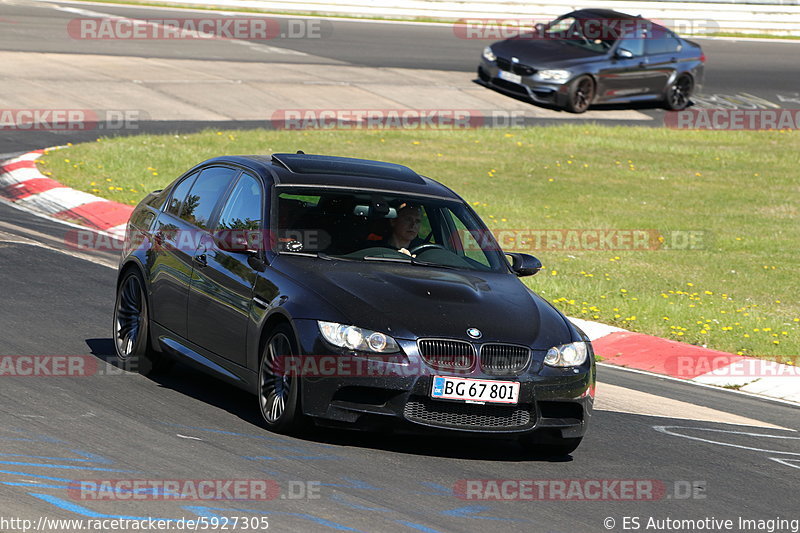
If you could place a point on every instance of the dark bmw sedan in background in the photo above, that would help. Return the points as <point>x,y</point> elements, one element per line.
<point>595,56</point>
<point>349,292</point>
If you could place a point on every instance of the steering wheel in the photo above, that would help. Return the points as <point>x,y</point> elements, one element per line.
<point>423,247</point>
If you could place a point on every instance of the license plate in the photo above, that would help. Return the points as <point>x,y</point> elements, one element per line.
<point>509,76</point>
<point>475,390</point>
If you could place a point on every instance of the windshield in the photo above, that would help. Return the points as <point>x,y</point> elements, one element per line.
<point>364,226</point>
<point>597,35</point>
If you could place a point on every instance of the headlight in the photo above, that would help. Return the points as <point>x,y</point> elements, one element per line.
<point>488,55</point>
<point>354,338</point>
<point>572,354</point>
<point>553,75</point>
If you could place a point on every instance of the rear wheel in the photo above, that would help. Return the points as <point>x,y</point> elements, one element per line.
<point>580,94</point>
<point>279,392</point>
<point>131,328</point>
<point>678,93</point>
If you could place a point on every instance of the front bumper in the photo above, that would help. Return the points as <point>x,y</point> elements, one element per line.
<point>396,395</point>
<point>540,92</point>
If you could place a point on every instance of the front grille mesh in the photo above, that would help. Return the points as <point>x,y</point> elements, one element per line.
<point>467,416</point>
<point>447,354</point>
<point>504,358</point>
<point>516,68</point>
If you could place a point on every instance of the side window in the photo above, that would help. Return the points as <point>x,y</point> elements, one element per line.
<point>634,43</point>
<point>205,194</point>
<point>243,209</point>
<point>661,41</point>
<point>465,240</point>
<point>179,195</point>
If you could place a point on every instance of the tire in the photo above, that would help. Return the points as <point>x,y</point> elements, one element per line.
<point>131,327</point>
<point>580,94</point>
<point>678,93</point>
<point>552,447</point>
<point>278,393</point>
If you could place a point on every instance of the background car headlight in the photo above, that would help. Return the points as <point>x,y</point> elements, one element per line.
<point>354,338</point>
<point>572,354</point>
<point>553,75</point>
<point>488,55</point>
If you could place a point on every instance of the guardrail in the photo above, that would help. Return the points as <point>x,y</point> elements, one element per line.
<point>690,17</point>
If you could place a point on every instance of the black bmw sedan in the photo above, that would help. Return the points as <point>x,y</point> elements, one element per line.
<point>349,292</point>
<point>595,56</point>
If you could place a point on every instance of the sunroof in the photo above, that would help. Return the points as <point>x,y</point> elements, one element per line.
<point>346,166</point>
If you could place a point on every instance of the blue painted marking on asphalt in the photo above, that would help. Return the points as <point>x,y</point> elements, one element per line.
<point>38,476</point>
<point>64,467</point>
<point>80,510</point>
<point>437,488</point>
<point>311,457</point>
<point>36,485</point>
<point>471,511</point>
<point>340,499</point>
<point>36,437</point>
<point>199,510</point>
<point>87,457</point>
<point>418,527</point>
<point>352,484</point>
<point>71,483</point>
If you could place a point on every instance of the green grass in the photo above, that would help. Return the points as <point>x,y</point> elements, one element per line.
<point>738,292</point>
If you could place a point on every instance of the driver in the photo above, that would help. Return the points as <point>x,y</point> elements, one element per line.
<point>404,228</point>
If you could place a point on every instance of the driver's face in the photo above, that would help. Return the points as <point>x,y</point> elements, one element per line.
<point>407,223</point>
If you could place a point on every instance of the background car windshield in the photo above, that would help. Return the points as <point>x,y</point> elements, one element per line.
<point>370,226</point>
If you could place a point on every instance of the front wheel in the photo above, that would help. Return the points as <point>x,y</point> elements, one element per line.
<point>580,94</point>
<point>278,391</point>
<point>678,93</point>
<point>131,326</point>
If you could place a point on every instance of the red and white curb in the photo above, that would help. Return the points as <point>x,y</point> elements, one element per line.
<point>680,360</point>
<point>23,184</point>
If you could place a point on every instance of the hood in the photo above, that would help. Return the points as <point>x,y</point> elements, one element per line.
<point>409,301</point>
<point>540,53</point>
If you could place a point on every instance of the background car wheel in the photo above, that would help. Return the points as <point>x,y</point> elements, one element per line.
<point>131,329</point>
<point>551,447</point>
<point>678,93</point>
<point>580,94</point>
<point>279,393</point>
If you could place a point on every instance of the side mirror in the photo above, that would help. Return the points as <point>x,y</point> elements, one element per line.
<point>524,264</point>
<point>624,53</point>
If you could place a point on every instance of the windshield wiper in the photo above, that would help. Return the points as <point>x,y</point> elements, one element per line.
<point>409,260</point>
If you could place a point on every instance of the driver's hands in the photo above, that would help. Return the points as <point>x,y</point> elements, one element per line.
<point>405,251</point>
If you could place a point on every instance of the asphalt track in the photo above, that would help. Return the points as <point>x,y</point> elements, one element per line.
<point>742,452</point>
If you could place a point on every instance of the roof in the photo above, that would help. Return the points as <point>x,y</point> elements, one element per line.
<point>602,14</point>
<point>331,171</point>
